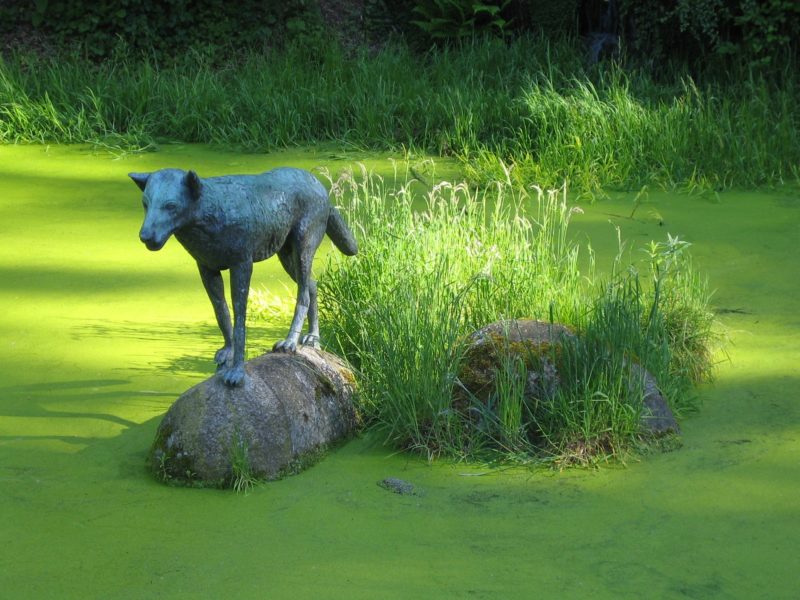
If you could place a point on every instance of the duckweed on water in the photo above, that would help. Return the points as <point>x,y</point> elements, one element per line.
<point>100,337</point>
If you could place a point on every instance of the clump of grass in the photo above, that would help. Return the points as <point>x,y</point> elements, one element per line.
<point>242,479</point>
<point>620,130</point>
<point>680,321</point>
<point>432,270</point>
<point>525,106</point>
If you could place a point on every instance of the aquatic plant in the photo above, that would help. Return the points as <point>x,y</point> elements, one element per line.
<point>242,478</point>
<point>432,270</point>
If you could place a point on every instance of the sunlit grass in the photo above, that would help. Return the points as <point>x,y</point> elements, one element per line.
<point>526,107</point>
<point>429,275</point>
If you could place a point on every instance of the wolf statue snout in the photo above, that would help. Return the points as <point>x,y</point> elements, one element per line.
<point>234,221</point>
<point>149,240</point>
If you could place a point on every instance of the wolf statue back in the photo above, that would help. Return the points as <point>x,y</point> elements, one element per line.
<point>234,221</point>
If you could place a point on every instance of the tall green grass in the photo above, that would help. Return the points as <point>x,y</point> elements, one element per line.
<point>526,107</point>
<point>620,131</point>
<point>431,271</point>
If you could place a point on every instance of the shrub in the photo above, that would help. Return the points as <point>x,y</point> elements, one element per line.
<point>458,19</point>
<point>743,31</point>
<point>168,28</point>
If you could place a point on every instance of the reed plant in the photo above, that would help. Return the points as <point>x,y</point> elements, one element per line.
<point>431,270</point>
<point>526,106</point>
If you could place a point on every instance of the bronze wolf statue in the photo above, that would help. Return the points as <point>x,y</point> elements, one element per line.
<point>234,221</point>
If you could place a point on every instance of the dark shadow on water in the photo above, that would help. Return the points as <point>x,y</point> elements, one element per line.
<point>67,439</point>
<point>198,341</point>
<point>53,281</point>
<point>735,408</point>
<point>173,331</point>
<point>62,385</point>
<point>85,414</point>
<point>28,399</point>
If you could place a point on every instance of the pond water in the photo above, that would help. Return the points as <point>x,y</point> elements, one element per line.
<point>99,336</point>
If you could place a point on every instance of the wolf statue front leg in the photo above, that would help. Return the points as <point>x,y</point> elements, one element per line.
<point>229,358</point>
<point>240,288</point>
<point>215,288</point>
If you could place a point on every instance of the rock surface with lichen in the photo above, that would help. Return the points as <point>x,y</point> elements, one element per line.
<point>290,408</point>
<point>534,344</point>
<point>527,340</point>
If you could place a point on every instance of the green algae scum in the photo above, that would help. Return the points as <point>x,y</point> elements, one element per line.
<point>99,337</point>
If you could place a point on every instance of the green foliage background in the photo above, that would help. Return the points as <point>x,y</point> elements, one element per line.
<point>165,27</point>
<point>759,32</point>
<point>756,31</point>
<point>702,94</point>
<point>527,106</point>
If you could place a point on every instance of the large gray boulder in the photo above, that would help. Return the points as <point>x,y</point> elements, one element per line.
<point>289,409</point>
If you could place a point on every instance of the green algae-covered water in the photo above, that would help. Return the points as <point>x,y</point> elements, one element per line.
<point>99,336</point>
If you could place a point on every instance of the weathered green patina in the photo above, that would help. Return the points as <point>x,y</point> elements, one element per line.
<point>231,222</point>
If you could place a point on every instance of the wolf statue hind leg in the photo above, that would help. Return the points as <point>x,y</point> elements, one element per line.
<point>312,337</point>
<point>296,259</point>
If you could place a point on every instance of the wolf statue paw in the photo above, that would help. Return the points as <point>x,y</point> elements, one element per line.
<point>311,340</point>
<point>223,356</point>
<point>286,346</point>
<point>234,376</point>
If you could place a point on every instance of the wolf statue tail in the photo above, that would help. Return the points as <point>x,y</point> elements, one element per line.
<point>340,233</point>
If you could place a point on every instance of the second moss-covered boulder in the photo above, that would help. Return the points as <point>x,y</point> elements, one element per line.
<point>525,341</point>
<point>524,358</point>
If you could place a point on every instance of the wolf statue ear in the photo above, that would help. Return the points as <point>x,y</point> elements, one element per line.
<point>140,179</point>
<point>194,184</point>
